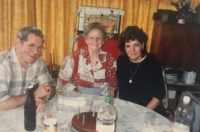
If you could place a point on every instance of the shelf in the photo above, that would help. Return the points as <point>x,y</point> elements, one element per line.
<point>182,84</point>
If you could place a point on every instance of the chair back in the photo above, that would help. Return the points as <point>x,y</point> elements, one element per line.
<point>110,46</point>
<point>165,100</point>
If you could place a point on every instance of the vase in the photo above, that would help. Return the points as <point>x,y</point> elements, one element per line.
<point>186,17</point>
<point>181,17</point>
<point>197,9</point>
<point>181,21</point>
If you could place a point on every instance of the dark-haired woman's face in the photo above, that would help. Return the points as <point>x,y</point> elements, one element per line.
<point>133,49</point>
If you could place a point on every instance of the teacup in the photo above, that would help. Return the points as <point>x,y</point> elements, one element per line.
<point>50,125</point>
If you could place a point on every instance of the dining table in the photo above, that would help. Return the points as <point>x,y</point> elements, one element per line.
<point>130,116</point>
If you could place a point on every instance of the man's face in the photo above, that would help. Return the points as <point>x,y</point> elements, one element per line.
<point>29,51</point>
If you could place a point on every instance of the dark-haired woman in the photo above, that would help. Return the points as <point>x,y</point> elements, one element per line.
<point>139,74</point>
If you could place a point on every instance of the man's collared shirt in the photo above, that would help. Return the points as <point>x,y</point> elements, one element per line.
<point>14,78</point>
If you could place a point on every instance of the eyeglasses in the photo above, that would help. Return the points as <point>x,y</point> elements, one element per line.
<point>33,46</point>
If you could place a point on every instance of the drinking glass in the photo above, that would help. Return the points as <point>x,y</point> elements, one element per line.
<point>44,112</point>
<point>60,95</point>
<point>60,102</point>
<point>50,125</point>
<point>149,121</point>
<point>59,87</point>
<point>63,126</point>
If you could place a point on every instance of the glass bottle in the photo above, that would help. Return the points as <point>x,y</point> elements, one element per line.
<point>30,110</point>
<point>106,116</point>
<point>183,116</point>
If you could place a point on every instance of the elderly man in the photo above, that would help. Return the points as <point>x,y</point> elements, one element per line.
<point>22,64</point>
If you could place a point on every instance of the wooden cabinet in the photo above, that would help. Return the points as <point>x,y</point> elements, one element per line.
<point>176,45</point>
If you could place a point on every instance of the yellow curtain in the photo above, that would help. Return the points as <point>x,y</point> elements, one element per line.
<point>58,20</point>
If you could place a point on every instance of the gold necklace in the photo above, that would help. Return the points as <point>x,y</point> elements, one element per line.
<point>130,80</point>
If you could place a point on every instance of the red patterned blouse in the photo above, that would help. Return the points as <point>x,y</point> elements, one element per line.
<point>76,70</point>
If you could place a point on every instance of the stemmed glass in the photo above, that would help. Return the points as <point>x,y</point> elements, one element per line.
<point>149,121</point>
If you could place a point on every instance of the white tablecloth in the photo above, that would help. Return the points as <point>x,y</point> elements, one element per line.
<point>130,116</point>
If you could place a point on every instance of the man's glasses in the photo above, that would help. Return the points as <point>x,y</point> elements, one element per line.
<point>33,46</point>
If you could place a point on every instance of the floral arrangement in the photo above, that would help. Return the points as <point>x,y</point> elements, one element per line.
<point>183,5</point>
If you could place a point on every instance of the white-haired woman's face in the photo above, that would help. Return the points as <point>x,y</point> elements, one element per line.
<point>94,40</point>
<point>133,49</point>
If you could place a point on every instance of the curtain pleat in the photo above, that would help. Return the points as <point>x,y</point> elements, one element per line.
<point>59,21</point>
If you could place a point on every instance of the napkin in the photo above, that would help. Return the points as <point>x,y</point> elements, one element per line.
<point>72,101</point>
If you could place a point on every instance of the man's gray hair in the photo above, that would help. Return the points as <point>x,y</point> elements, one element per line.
<point>22,34</point>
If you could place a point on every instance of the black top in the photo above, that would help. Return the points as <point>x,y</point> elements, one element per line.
<point>147,82</point>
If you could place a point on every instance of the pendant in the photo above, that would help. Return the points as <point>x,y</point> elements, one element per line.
<point>130,81</point>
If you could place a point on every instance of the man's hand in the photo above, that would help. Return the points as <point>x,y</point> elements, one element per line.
<point>42,93</point>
